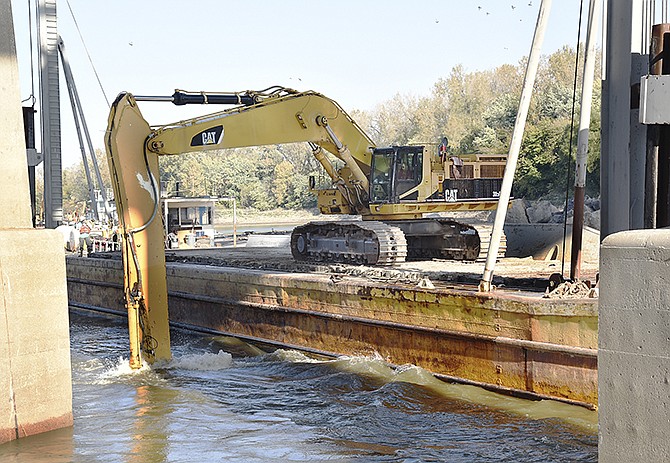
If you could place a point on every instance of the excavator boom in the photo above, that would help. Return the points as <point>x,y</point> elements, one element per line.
<point>284,116</point>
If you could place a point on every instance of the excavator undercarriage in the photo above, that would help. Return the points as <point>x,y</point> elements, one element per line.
<point>386,243</point>
<point>440,238</point>
<point>349,242</point>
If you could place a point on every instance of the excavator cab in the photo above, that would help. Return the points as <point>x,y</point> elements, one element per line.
<point>394,172</point>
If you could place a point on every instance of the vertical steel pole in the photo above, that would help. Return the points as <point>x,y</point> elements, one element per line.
<point>583,137</point>
<point>234,222</point>
<point>651,185</point>
<point>166,224</point>
<point>33,159</point>
<point>47,35</point>
<point>515,145</point>
<point>658,173</point>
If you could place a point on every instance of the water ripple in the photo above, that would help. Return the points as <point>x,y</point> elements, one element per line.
<point>253,406</point>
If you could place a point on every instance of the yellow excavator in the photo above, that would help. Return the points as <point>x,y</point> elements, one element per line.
<point>391,188</point>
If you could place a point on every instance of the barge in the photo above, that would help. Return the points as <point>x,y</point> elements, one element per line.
<point>512,340</point>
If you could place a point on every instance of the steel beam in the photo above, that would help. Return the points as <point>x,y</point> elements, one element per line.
<point>47,36</point>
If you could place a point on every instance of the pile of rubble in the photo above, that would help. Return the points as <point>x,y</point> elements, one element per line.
<point>543,211</point>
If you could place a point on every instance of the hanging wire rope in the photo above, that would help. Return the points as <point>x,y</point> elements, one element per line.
<point>572,129</point>
<point>88,54</point>
<point>32,60</point>
<point>644,36</point>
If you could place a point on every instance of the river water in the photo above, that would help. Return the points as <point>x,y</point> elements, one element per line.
<point>207,405</point>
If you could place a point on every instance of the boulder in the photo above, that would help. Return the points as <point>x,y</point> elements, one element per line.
<point>541,212</point>
<point>517,211</point>
<point>592,203</point>
<point>592,219</point>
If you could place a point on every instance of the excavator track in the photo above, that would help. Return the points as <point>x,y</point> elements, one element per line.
<point>350,242</point>
<point>434,238</point>
<point>485,230</point>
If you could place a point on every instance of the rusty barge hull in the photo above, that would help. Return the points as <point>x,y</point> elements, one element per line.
<point>507,342</point>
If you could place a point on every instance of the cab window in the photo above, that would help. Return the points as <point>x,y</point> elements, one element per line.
<point>382,173</point>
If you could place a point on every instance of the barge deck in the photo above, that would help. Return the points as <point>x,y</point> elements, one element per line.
<point>429,314</point>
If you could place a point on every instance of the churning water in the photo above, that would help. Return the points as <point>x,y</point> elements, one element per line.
<point>210,406</point>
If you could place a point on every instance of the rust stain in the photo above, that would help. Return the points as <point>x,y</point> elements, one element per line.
<point>38,427</point>
<point>30,429</point>
<point>7,434</point>
<point>449,332</point>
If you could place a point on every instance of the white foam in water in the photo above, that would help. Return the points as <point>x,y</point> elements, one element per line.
<point>293,356</point>
<point>122,368</point>
<point>373,364</point>
<point>206,361</point>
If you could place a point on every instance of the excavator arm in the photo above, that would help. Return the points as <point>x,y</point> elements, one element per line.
<point>133,147</point>
<point>134,175</point>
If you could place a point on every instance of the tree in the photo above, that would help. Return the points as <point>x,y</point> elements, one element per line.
<point>76,197</point>
<point>543,162</point>
<point>394,121</point>
<point>482,139</point>
<point>475,110</point>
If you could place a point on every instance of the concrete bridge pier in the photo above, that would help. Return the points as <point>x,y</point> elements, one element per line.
<point>35,371</point>
<point>634,347</point>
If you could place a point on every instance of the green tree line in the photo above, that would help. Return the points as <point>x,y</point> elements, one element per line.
<point>476,110</point>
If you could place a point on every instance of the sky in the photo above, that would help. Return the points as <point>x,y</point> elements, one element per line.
<point>358,52</point>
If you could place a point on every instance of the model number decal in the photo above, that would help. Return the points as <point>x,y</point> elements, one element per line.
<point>211,136</point>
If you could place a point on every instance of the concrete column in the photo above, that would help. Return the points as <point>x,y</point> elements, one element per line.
<point>616,120</point>
<point>35,371</point>
<point>14,204</point>
<point>634,347</point>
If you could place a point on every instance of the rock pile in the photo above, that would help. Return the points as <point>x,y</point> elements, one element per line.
<point>543,211</point>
